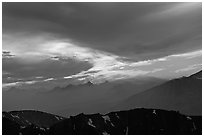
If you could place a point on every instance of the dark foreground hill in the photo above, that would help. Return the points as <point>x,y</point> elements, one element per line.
<point>131,122</point>
<point>182,94</point>
<point>28,121</point>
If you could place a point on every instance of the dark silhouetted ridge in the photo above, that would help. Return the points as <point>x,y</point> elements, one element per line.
<point>131,122</point>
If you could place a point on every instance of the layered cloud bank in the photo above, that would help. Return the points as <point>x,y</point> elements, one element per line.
<point>104,66</point>
<point>99,41</point>
<point>139,31</point>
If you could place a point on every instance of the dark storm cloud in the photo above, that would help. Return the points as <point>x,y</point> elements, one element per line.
<point>135,30</point>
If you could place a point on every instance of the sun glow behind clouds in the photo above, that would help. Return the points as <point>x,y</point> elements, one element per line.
<point>105,66</point>
<point>113,69</point>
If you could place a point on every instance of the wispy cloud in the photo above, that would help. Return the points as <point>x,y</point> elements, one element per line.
<point>108,66</point>
<point>191,67</point>
<point>49,79</point>
<point>189,55</point>
<point>39,77</point>
<point>6,85</point>
<point>174,10</point>
<point>105,65</point>
<point>7,54</point>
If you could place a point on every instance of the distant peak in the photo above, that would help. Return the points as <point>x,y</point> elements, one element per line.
<point>89,83</point>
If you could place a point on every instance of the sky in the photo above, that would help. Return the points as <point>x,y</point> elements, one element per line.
<point>97,42</point>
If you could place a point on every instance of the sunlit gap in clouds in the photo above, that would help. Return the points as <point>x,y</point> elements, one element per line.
<point>105,66</point>
<point>114,69</point>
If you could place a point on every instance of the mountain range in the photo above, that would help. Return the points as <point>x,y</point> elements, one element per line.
<point>183,94</point>
<point>76,98</point>
<point>131,122</point>
<point>147,107</point>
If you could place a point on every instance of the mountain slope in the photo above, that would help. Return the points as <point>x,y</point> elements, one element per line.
<point>183,94</point>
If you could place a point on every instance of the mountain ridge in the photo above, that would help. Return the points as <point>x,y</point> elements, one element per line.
<point>135,121</point>
<point>183,94</point>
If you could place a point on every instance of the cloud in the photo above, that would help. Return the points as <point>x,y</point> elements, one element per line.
<point>189,55</point>
<point>191,67</point>
<point>6,85</point>
<point>157,70</point>
<point>39,77</point>
<point>103,65</point>
<point>27,66</point>
<point>7,54</point>
<point>117,28</point>
<point>49,79</point>
<point>109,67</point>
<point>173,10</point>
<point>5,73</point>
<point>100,41</point>
<point>55,58</point>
